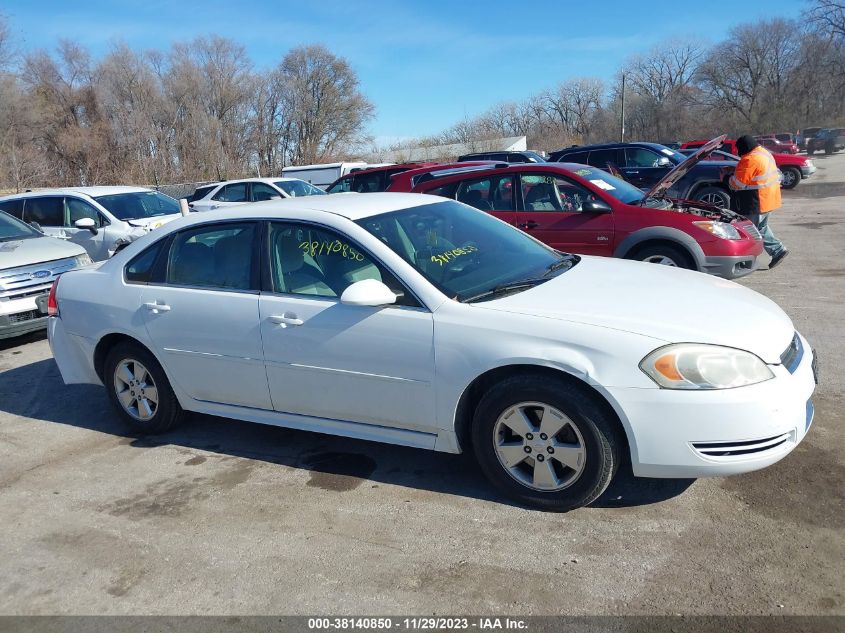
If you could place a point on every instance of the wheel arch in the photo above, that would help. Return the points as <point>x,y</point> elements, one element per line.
<point>107,343</point>
<point>661,235</point>
<point>473,393</point>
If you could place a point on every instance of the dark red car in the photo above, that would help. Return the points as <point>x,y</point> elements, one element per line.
<point>372,179</point>
<point>775,145</point>
<point>582,209</point>
<point>793,168</point>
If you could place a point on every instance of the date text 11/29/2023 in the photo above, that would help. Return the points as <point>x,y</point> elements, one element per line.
<point>431,623</point>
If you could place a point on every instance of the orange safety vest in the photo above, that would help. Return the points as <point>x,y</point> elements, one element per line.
<point>757,176</point>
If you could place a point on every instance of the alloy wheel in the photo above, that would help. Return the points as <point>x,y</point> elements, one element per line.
<point>136,390</point>
<point>788,178</point>
<point>663,260</point>
<point>715,199</point>
<point>539,446</point>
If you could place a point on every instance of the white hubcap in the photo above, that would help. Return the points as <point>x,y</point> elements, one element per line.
<point>539,446</point>
<point>136,390</point>
<point>660,259</point>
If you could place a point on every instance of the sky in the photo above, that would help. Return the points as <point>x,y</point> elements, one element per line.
<point>424,64</point>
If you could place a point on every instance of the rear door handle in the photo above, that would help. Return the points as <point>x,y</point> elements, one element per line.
<point>155,307</point>
<point>286,319</point>
<point>531,224</point>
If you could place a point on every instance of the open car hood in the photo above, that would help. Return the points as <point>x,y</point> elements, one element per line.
<point>661,186</point>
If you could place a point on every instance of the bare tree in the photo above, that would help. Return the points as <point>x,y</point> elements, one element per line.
<point>326,109</point>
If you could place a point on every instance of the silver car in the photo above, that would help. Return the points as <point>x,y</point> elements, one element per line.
<point>102,220</point>
<point>29,262</point>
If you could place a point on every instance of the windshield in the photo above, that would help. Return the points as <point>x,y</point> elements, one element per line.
<point>13,229</point>
<point>616,187</point>
<point>140,204</point>
<point>298,188</point>
<point>464,252</point>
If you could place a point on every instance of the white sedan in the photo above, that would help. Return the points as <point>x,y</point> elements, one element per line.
<point>414,320</point>
<point>236,192</point>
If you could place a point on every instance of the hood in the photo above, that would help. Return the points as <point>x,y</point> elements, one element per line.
<point>661,186</point>
<point>35,250</point>
<point>665,303</point>
<point>153,222</point>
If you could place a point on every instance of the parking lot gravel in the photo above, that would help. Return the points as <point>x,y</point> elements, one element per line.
<point>225,517</point>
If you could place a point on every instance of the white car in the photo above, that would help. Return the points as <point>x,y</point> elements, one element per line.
<point>234,192</point>
<point>102,220</point>
<point>29,262</point>
<point>414,320</point>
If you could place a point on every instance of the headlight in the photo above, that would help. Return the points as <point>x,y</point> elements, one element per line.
<point>82,260</point>
<point>695,366</point>
<point>720,229</point>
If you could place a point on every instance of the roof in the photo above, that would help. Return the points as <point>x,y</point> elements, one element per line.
<point>88,191</point>
<point>587,148</point>
<point>320,166</point>
<point>351,206</point>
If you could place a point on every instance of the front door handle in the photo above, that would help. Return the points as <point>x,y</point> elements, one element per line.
<point>286,319</point>
<point>531,224</point>
<point>155,307</point>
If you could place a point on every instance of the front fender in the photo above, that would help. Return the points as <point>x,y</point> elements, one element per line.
<point>662,233</point>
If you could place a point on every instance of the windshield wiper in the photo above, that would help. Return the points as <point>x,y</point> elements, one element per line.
<point>502,289</point>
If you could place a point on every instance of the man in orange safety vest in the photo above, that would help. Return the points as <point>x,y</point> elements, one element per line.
<point>756,182</point>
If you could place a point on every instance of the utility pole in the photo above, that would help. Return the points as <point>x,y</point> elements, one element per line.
<point>622,118</point>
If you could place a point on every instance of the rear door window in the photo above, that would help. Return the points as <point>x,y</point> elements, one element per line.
<point>47,211</point>
<point>602,157</point>
<point>493,193</point>
<point>214,256</point>
<point>236,192</point>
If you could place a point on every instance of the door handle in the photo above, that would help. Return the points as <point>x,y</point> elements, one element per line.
<point>155,307</point>
<point>631,171</point>
<point>531,224</point>
<point>286,319</point>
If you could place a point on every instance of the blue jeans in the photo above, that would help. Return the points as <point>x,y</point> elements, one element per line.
<point>772,244</point>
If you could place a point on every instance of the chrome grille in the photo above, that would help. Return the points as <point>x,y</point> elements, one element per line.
<point>23,281</point>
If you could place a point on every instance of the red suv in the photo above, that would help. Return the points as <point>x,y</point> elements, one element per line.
<point>581,209</point>
<point>372,179</point>
<point>793,168</point>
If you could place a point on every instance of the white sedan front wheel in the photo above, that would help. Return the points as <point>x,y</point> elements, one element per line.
<point>546,443</point>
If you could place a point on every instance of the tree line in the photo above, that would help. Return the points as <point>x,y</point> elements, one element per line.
<point>771,76</point>
<point>202,111</point>
<point>197,112</point>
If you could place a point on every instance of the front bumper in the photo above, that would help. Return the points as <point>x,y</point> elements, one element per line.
<point>807,170</point>
<point>22,316</point>
<point>730,266</point>
<point>722,432</point>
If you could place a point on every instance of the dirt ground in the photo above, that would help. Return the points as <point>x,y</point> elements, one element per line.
<point>224,517</point>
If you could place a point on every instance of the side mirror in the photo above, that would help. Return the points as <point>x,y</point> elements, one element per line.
<point>86,223</point>
<point>36,226</point>
<point>596,206</point>
<point>368,292</point>
<point>663,162</point>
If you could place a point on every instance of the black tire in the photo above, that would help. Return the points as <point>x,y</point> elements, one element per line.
<point>167,412</point>
<point>599,435</point>
<point>721,197</point>
<point>654,252</point>
<point>791,177</point>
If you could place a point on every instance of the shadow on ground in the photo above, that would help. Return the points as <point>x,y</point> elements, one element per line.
<point>334,463</point>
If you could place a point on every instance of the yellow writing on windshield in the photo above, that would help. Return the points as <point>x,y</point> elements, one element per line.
<point>447,256</point>
<point>328,247</point>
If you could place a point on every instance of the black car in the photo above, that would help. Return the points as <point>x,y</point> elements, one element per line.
<point>644,164</point>
<point>504,157</point>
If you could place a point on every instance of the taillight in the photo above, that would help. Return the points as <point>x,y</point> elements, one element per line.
<point>52,304</point>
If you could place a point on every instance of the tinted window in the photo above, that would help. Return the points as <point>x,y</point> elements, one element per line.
<point>344,184</point>
<point>236,192</point>
<point>493,193</point>
<point>641,157</point>
<point>140,268</point>
<point>601,157</point>
<point>141,204</point>
<point>307,260</point>
<point>461,251</point>
<point>368,183</point>
<point>299,188</point>
<point>45,211</point>
<point>78,209</point>
<point>13,229</point>
<point>545,192</point>
<point>262,192</point>
<point>200,193</point>
<point>575,157</point>
<point>218,256</point>
<point>13,207</point>
<point>446,191</point>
